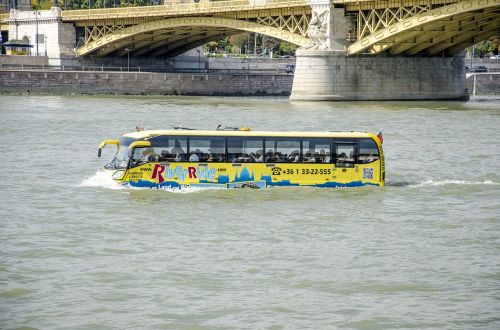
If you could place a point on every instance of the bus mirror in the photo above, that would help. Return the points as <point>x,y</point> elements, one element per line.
<point>104,143</point>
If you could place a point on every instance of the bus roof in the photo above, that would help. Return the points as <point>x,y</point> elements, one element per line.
<point>183,132</point>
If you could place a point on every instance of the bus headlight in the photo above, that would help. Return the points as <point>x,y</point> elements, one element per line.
<point>118,175</point>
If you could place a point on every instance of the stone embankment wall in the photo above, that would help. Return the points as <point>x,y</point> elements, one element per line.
<point>486,83</point>
<point>79,82</point>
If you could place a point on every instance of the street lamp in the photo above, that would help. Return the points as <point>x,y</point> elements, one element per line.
<point>255,45</point>
<point>36,13</point>
<point>472,57</point>
<point>128,59</point>
<point>199,60</point>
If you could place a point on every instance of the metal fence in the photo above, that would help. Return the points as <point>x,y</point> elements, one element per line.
<point>139,69</point>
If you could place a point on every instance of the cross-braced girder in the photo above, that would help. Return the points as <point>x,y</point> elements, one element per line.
<point>371,21</point>
<point>294,23</point>
<point>427,29</point>
<point>103,44</point>
<point>95,32</point>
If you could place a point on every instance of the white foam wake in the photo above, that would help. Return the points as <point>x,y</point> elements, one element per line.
<point>455,182</point>
<point>101,179</point>
<point>182,190</point>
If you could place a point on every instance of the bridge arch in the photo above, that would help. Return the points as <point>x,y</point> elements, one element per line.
<point>179,34</point>
<point>449,29</point>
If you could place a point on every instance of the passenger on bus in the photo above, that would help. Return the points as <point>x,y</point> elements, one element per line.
<point>259,157</point>
<point>327,158</point>
<point>194,157</point>
<point>178,152</point>
<point>269,155</point>
<point>165,155</point>
<point>148,155</point>
<point>309,158</point>
<point>177,149</point>
<point>294,157</point>
<point>322,155</point>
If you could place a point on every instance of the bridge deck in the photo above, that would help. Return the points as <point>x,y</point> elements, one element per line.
<point>178,9</point>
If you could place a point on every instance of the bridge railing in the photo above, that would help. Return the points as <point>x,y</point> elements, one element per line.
<point>45,68</point>
<point>177,8</point>
<point>4,17</point>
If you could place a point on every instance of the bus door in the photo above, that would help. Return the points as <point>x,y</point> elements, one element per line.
<point>345,161</point>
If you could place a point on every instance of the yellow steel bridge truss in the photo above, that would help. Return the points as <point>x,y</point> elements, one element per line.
<point>390,26</point>
<point>428,27</point>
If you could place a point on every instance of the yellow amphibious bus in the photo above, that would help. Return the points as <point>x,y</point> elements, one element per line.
<point>236,158</point>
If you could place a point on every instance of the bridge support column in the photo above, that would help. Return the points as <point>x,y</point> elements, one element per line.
<point>330,75</point>
<point>324,72</point>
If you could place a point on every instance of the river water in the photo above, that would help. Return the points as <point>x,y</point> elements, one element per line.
<point>78,252</point>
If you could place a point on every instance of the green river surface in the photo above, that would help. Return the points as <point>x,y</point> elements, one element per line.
<point>79,252</point>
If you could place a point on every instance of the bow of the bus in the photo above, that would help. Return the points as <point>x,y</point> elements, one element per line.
<point>120,163</point>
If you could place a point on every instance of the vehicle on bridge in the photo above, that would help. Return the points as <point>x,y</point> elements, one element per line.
<point>236,158</point>
<point>290,68</point>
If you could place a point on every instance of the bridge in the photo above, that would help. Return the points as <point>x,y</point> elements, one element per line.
<point>397,27</point>
<point>344,30</point>
<point>373,26</point>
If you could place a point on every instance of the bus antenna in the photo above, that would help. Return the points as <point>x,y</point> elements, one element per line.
<point>184,128</point>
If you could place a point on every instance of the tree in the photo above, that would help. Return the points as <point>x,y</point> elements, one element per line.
<point>238,41</point>
<point>223,44</point>
<point>211,46</point>
<point>287,48</point>
<point>271,44</point>
<point>483,48</point>
<point>41,4</point>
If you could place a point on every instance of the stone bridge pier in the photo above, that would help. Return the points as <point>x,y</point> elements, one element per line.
<point>325,72</point>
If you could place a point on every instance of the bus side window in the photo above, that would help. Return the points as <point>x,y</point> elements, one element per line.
<point>170,148</point>
<point>244,150</point>
<point>282,150</point>
<point>345,154</point>
<point>316,150</point>
<point>207,149</point>
<point>368,151</point>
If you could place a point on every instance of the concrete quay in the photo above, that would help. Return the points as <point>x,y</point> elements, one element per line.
<point>143,83</point>
<point>487,83</point>
<point>56,81</point>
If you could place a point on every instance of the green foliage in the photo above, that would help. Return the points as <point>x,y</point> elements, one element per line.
<point>95,4</point>
<point>223,44</point>
<point>41,4</point>
<point>286,48</point>
<point>245,42</point>
<point>210,47</point>
<point>18,52</point>
<point>487,47</point>
<point>238,42</point>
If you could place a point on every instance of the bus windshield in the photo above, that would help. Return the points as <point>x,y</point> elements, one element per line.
<point>120,161</point>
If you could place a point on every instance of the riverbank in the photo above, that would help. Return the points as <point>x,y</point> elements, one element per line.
<point>145,83</point>
<point>201,83</point>
<point>487,83</point>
